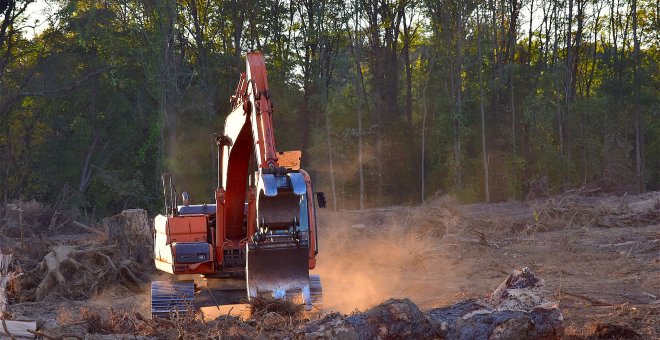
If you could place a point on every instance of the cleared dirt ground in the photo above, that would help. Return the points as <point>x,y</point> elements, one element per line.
<point>599,257</point>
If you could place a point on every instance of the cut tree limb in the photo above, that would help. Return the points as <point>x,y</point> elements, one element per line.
<point>63,336</point>
<point>17,329</point>
<point>5,260</point>
<point>90,229</point>
<point>593,301</point>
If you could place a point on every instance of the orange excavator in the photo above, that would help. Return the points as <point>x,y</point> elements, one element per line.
<point>261,231</point>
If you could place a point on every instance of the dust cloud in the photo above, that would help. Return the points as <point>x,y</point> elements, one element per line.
<point>367,257</point>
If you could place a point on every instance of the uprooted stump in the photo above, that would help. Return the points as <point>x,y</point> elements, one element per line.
<point>78,273</point>
<point>516,310</point>
<point>82,271</point>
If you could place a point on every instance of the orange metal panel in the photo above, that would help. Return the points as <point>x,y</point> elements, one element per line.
<point>289,159</point>
<point>187,228</point>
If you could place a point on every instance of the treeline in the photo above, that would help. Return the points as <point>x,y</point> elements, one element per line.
<point>392,101</point>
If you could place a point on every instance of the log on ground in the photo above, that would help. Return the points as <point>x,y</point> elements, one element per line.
<point>17,329</point>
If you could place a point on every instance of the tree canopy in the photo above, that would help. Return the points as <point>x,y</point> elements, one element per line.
<point>391,101</point>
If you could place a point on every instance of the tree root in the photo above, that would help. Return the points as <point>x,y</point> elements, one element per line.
<point>80,273</point>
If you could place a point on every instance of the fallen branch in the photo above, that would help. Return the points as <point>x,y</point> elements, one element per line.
<point>90,229</point>
<point>593,301</point>
<point>42,334</point>
<point>164,321</point>
<point>50,337</point>
<point>13,328</point>
<point>7,332</point>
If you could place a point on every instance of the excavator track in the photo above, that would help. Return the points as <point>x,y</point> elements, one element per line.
<point>171,298</point>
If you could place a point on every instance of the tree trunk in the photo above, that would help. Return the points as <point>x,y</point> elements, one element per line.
<point>569,55</point>
<point>86,173</point>
<point>457,76</point>
<point>578,44</point>
<point>639,138</point>
<point>593,55</point>
<point>555,64</point>
<point>513,30</point>
<point>361,96</point>
<point>406,60</point>
<point>513,117</point>
<point>324,67</point>
<point>529,36</point>
<point>132,233</point>
<point>425,101</point>
<point>239,15</point>
<point>484,154</point>
<point>330,157</point>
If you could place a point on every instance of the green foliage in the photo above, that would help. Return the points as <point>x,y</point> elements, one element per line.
<point>113,93</point>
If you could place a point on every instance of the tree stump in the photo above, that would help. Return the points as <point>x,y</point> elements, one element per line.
<point>132,233</point>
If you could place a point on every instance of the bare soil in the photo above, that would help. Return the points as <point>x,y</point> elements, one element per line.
<point>599,257</point>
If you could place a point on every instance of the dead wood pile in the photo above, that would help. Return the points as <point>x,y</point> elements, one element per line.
<point>613,212</point>
<point>73,260</point>
<point>517,309</point>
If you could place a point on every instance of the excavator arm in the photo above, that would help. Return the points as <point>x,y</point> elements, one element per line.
<point>252,105</point>
<point>280,243</point>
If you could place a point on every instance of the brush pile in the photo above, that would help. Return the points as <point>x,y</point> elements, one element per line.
<point>611,212</point>
<point>55,255</point>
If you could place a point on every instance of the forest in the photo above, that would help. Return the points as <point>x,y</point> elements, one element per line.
<point>391,101</point>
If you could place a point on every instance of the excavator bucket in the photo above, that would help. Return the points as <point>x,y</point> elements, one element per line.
<point>278,271</point>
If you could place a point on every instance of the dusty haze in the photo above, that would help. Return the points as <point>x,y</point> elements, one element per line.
<point>365,260</point>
